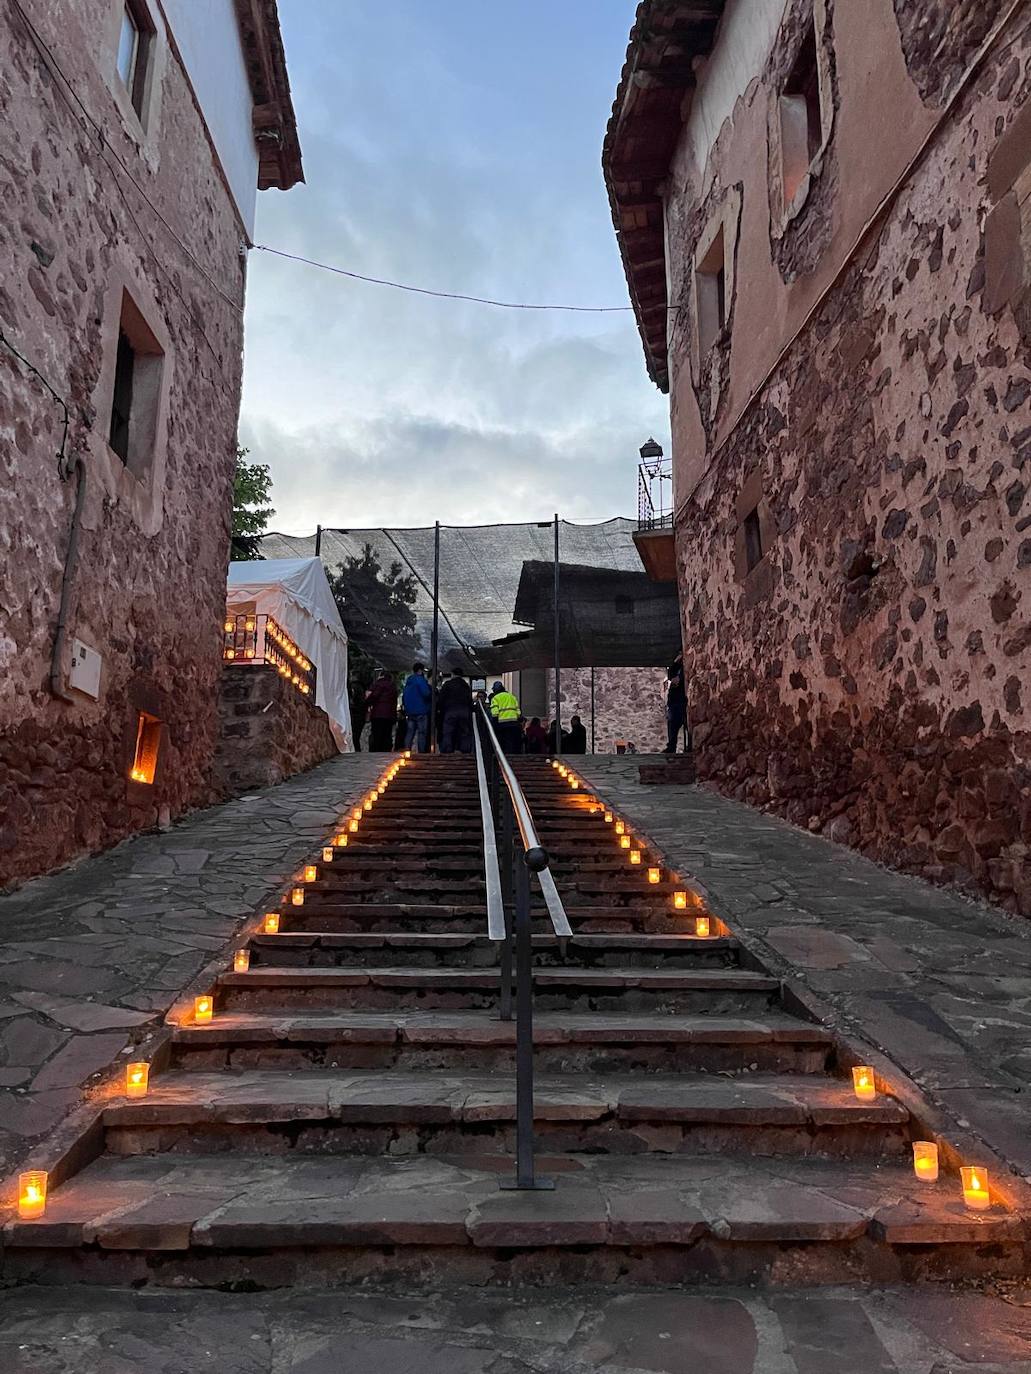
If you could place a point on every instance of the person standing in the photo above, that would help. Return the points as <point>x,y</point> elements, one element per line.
<point>358,706</point>
<point>504,707</point>
<point>416,703</point>
<point>576,741</point>
<point>536,737</point>
<point>382,704</point>
<point>455,705</point>
<point>676,703</point>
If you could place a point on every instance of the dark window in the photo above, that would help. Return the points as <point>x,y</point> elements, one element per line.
<point>801,121</point>
<point>711,294</point>
<point>753,539</point>
<point>121,404</point>
<point>134,42</point>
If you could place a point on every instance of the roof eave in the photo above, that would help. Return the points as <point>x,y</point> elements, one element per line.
<point>274,121</point>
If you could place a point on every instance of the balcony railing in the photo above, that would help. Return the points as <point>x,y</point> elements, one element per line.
<point>250,640</point>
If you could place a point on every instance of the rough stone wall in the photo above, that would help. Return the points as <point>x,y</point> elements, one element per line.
<point>149,592</point>
<point>629,704</point>
<point>268,731</point>
<point>871,677</point>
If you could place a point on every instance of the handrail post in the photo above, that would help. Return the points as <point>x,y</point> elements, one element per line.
<point>525,1177</point>
<point>509,898</point>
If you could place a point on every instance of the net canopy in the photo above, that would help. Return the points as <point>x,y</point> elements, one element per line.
<point>496,594</point>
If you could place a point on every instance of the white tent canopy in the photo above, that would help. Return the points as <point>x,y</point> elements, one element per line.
<point>295,592</point>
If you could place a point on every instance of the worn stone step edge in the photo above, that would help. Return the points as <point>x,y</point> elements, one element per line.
<point>701,980</point>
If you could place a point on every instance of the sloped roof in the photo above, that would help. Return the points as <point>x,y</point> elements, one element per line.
<point>651,104</point>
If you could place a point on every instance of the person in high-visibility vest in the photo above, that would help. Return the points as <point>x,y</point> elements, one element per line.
<point>504,707</point>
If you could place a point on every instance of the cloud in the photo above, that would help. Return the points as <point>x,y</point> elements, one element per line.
<point>427,164</point>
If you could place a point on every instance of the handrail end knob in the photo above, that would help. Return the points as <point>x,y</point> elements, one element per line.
<point>536,859</point>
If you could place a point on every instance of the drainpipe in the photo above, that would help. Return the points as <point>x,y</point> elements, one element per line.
<point>57,687</point>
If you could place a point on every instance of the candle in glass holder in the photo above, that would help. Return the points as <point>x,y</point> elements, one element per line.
<point>863,1083</point>
<point>655,875</point>
<point>925,1160</point>
<point>137,1079</point>
<point>408,754</point>
<point>32,1194</point>
<point>620,828</point>
<point>574,783</point>
<point>241,961</point>
<point>340,840</point>
<point>356,814</point>
<point>327,854</point>
<point>609,818</point>
<point>635,856</point>
<point>297,896</point>
<point>271,926</point>
<point>702,927</point>
<point>203,1008</point>
<point>680,901</point>
<point>310,873</point>
<point>352,827</point>
<point>624,841</point>
<point>975,1188</point>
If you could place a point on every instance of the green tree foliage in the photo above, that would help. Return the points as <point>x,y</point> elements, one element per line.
<point>376,608</point>
<point>252,485</point>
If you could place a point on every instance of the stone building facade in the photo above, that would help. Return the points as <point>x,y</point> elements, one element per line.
<point>626,705</point>
<point>268,732</point>
<point>134,135</point>
<point>824,210</point>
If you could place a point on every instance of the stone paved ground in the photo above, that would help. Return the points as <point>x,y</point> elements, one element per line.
<point>827,1331</point>
<point>91,958</point>
<point>938,983</point>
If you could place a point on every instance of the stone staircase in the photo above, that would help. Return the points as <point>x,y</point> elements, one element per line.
<point>348,1114</point>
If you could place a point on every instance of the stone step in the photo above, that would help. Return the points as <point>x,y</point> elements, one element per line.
<point>472,1040</point>
<point>669,991</point>
<point>269,1112</point>
<point>463,916</point>
<point>236,1219</point>
<point>439,949</point>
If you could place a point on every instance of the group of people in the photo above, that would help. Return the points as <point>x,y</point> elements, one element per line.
<point>406,724</point>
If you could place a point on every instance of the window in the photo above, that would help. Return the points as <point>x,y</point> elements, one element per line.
<point>148,745</point>
<point>134,51</point>
<point>753,539</point>
<point>711,293</point>
<point>801,122</point>
<point>137,389</point>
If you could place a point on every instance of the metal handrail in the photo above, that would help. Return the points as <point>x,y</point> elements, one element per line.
<point>536,855</point>
<point>496,929</point>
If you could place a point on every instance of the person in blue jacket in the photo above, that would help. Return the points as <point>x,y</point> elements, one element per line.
<point>415,702</point>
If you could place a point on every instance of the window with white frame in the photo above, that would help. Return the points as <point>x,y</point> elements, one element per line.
<point>134,44</point>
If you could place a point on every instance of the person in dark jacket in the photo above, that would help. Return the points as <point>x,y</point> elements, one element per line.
<point>552,733</point>
<point>416,702</point>
<point>455,715</point>
<point>382,704</point>
<point>536,737</point>
<point>358,714</point>
<point>576,741</point>
<point>676,703</point>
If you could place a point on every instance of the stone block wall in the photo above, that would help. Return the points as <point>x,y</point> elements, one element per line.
<point>629,704</point>
<point>870,676</point>
<point>267,731</point>
<point>148,592</point>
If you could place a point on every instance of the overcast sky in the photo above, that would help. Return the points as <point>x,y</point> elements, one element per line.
<point>453,144</point>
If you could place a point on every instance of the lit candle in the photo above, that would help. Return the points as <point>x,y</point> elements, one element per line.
<point>655,875</point>
<point>228,627</point>
<point>353,827</point>
<point>574,783</point>
<point>356,814</point>
<point>701,926</point>
<point>975,1188</point>
<point>609,818</point>
<point>297,896</point>
<point>327,854</point>
<point>137,1079</point>
<point>242,959</point>
<point>863,1083</point>
<point>635,856</point>
<point>32,1194</point>
<point>340,840</point>
<point>925,1160</point>
<point>624,841</point>
<point>202,1008</point>
<point>368,806</point>
<point>680,901</point>
<point>310,873</point>
<point>408,754</point>
<point>271,922</point>
<point>620,828</point>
